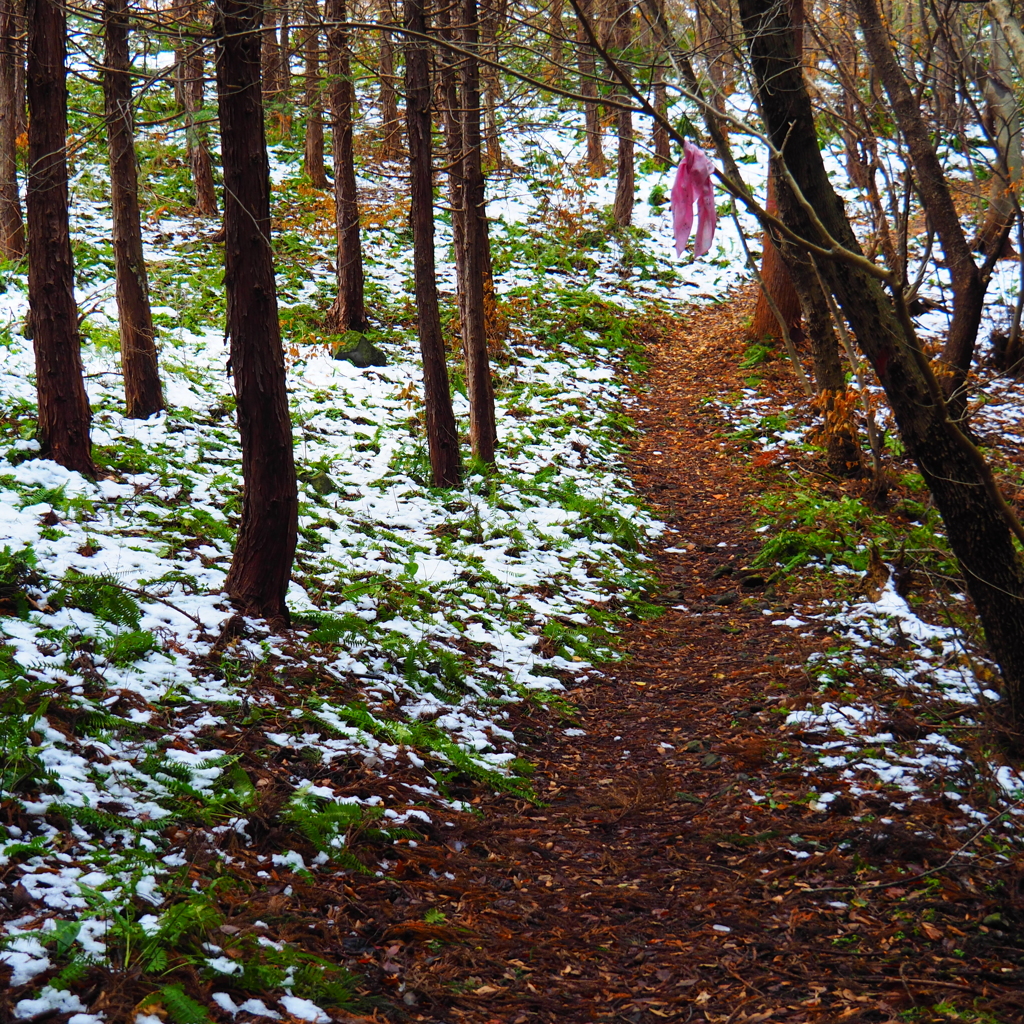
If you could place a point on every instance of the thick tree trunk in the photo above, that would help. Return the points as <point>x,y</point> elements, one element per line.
<point>476,253</point>
<point>625,177</point>
<point>313,157</point>
<point>64,416</point>
<point>261,568</point>
<point>391,148</point>
<point>196,138</point>
<point>960,481</point>
<point>143,396</point>
<point>442,434</point>
<point>349,311</point>
<point>968,287</point>
<point>588,87</point>
<point>775,277</point>
<point>12,229</point>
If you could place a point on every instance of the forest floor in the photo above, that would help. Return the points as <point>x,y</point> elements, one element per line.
<point>654,883</point>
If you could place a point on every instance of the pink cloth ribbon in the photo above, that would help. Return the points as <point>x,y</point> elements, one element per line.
<point>693,183</point>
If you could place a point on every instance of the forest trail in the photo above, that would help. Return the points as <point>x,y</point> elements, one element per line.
<point>652,886</point>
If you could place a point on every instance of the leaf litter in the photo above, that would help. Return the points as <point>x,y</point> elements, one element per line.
<point>784,805</point>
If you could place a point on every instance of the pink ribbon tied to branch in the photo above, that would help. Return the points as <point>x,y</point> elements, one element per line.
<point>693,183</point>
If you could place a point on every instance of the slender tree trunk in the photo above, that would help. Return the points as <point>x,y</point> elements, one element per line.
<point>662,145</point>
<point>1006,171</point>
<point>447,62</point>
<point>588,87</point>
<point>20,48</point>
<point>313,159</point>
<point>973,511</point>
<point>285,48</point>
<point>482,428</point>
<point>196,136</point>
<point>556,38</point>
<point>261,568</point>
<point>270,56</point>
<point>491,15</point>
<point>391,148</point>
<point>12,229</point>
<point>64,416</point>
<point>349,311</point>
<point>143,396</point>
<point>442,434</point>
<point>625,178</point>
<point>968,287</point>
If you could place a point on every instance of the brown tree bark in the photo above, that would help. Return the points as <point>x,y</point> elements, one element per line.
<point>12,228</point>
<point>313,156</point>
<point>775,279</point>
<point>261,568</point>
<point>349,310</point>
<point>391,148</point>
<point>774,273</point>
<point>442,434</point>
<point>20,86</point>
<point>662,144</point>
<point>588,87</point>
<point>64,416</point>
<point>974,513</point>
<point>492,13</point>
<point>476,251</point>
<point>196,137</point>
<point>143,396</point>
<point>625,177</point>
<point>270,54</point>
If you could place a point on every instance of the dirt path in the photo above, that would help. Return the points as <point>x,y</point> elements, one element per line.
<point>652,887</point>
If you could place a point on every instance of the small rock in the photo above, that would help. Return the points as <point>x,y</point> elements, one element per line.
<point>363,354</point>
<point>727,598</point>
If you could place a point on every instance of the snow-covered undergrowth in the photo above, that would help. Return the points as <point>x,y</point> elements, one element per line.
<point>152,744</point>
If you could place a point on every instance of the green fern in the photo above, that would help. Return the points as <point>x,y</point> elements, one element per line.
<point>181,1008</point>
<point>103,596</point>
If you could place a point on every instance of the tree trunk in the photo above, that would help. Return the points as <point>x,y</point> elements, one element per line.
<point>491,15</point>
<point>285,49</point>
<point>476,252</point>
<point>442,434</point>
<point>313,158</point>
<point>20,49</point>
<point>961,483</point>
<point>455,150</point>
<point>143,396</point>
<point>270,54</point>
<point>64,416</point>
<point>588,87</point>
<point>1006,170</point>
<point>968,287</point>
<point>391,123</point>
<point>196,138</point>
<point>556,40</point>
<point>349,311</point>
<point>662,144</point>
<point>625,177</point>
<point>774,273</point>
<point>12,229</point>
<point>261,568</point>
